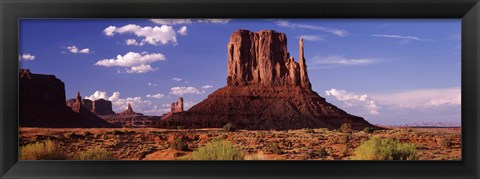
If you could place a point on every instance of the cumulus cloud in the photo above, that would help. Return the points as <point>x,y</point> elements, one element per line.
<point>353,99</point>
<point>422,98</point>
<point>176,79</point>
<point>403,37</point>
<point>188,21</point>
<point>337,60</point>
<point>134,62</point>
<point>150,35</point>
<point>26,57</point>
<point>180,91</point>
<point>207,86</point>
<point>74,49</point>
<point>402,103</point>
<point>334,31</point>
<point>182,31</point>
<point>132,42</point>
<point>157,96</point>
<point>312,37</point>
<point>120,104</point>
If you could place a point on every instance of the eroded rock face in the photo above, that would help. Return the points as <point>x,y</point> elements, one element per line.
<point>177,106</point>
<point>261,58</point>
<point>266,89</point>
<point>129,111</point>
<point>42,104</point>
<point>102,107</point>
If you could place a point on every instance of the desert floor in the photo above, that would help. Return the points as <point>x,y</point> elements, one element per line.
<point>154,144</point>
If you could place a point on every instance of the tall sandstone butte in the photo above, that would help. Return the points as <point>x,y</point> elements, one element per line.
<point>266,89</point>
<point>42,104</point>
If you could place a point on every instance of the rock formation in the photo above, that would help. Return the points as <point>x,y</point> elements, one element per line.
<point>266,89</point>
<point>102,107</point>
<point>129,111</point>
<point>177,106</point>
<point>42,104</point>
<point>99,106</point>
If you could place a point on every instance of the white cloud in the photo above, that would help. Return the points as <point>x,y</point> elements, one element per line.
<point>403,37</point>
<point>188,21</point>
<point>180,91</point>
<point>214,21</point>
<point>207,86</point>
<point>422,98</point>
<point>334,31</point>
<point>157,96</point>
<point>132,42</point>
<point>26,57</point>
<point>74,49</point>
<point>150,35</point>
<point>312,37</point>
<point>182,31</point>
<point>120,104</point>
<point>337,60</point>
<point>176,79</point>
<point>352,99</point>
<point>152,84</point>
<point>171,21</point>
<point>135,62</point>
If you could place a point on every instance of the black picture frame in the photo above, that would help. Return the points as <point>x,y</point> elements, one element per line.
<point>467,10</point>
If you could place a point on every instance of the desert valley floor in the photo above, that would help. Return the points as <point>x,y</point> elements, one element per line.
<point>303,144</point>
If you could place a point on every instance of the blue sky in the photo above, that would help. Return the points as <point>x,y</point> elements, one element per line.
<point>389,71</point>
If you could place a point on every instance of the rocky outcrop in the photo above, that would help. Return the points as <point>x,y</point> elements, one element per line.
<point>102,107</point>
<point>177,106</point>
<point>42,104</point>
<point>99,106</point>
<point>129,111</point>
<point>261,58</point>
<point>266,89</point>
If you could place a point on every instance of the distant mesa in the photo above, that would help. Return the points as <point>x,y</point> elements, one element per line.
<point>99,106</point>
<point>129,111</point>
<point>175,107</point>
<point>42,104</point>
<point>266,89</point>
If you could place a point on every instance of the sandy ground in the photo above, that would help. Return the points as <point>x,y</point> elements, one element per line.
<point>154,144</point>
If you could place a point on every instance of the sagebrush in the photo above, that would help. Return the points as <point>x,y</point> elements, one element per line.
<point>377,148</point>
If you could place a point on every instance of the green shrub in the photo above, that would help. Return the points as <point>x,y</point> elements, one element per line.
<point>368,130</point>
<point>230,127</point>
<point>46,150</point>
<point>322,152</point>
<point>95,154</point>
<point>217,150</point>
<point>180,127</point>
<point>346,128</point>
<point>309,131</point>
<point>444,143</point>
<point>274,148</point>
<point>377,148</point>
<point>180,144</point>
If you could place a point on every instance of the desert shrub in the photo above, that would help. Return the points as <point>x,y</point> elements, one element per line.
<point>95,154</point>
<point>346,128</point>
<point>274,148</point>
<point>368,130</point>
<point>217,150</point>
<point>444,143</point>
<point>309,131</point>
<point>345,139</point>
<point>256,156</point>
<point>46,150</point>
<point>180,144</point>
<point>230,127</point>
<point>180,127</point>
<point>377,148</point>
<point>345,151</point>
<point>322,152</point>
